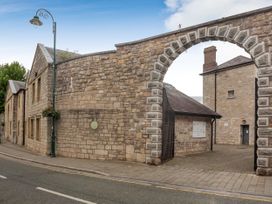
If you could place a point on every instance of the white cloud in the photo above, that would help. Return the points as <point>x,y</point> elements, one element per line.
<point>191,12</point>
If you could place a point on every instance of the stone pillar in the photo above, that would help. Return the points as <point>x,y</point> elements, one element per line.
<point>209,58</point>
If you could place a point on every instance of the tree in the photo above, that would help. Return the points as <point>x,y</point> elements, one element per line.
<point>13,71</point>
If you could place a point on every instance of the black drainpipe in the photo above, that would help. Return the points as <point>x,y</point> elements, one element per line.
<point>24,108</point>
<point>215,99</point>
<point>212,121</point>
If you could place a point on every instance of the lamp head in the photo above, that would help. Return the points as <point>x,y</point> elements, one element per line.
<point>36,21</point>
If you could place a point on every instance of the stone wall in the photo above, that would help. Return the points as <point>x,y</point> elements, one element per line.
<point>236,110</point>
<point>127,84</point>
<point>40,70</point>
<point>184,141</point>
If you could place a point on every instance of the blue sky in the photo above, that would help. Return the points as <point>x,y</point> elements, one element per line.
<point>89,26</point>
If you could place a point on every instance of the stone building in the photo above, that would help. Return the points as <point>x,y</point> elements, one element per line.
<point>38,98</point>
<point>14,112</point>
<point>191,125</point>
<point>229,89</point>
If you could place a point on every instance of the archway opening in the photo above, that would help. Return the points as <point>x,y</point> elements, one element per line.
<point>220,79</point>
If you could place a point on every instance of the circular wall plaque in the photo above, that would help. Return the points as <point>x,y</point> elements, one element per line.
<point>94,125</point>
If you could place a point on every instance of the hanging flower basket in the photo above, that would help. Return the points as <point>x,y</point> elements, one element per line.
<point>49,113</point>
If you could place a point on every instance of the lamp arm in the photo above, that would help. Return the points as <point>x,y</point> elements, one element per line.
<point>44,13</point>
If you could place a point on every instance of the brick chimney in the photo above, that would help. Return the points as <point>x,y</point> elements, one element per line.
<point>209,58</point>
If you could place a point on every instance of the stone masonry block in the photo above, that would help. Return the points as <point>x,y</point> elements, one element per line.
<point>263,60</point>
<point>265,152</point>
<point>233,31</point>
<point>202,32</point>
<point>156,92</point>
<point>265,132</point>
<point>154,84</point>
<point>153,130</point>
<point>212,31</point>
<point>265,111</point>
<point>250,42</point>
<point>153,115</point>
<point>184,40</point>
<point>267,91</point>
<point>155,153</point>
<point>164,60</point>
<point>170,53</point>
<point>154,99</point>
<point>266,71</point>
<point>222,31</point>
<point>257,50</point>
<point>263,122</point>
<point>264,101</point>
<point>160,68</point>
<point>242,36</point>
<point>156,138</point>
<point>156,123</point>
<point>263,171</point>
<point>155,76</point>
<point>176,46</point>
<point>264,81</point>
<point>192,36</point>
<point>156,107</point>
<point>262,142</point>
<point>262,162</point>
<point>151,146</point>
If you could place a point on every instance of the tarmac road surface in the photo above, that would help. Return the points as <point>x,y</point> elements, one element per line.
<point>24,184</point>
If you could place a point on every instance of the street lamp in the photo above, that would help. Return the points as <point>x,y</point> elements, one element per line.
<point>36,21</point>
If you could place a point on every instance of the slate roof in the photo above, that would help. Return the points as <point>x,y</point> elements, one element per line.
<point>16,86</point>
<point>235,62</point>
<point>185,105</point>
<point>61,55</point>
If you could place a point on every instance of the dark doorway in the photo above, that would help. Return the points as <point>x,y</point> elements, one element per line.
<point>168,130</point>
<point>245,134</point>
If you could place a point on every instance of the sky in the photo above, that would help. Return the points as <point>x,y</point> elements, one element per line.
<point>87,26</point>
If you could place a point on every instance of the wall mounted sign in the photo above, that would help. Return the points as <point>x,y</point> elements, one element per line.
<point>94,124</point>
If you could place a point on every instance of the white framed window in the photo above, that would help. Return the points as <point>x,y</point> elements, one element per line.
<point>199,129</point>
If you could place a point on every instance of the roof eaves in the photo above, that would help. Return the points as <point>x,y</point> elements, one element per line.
<point>215,70</point>
<point>198,114</point>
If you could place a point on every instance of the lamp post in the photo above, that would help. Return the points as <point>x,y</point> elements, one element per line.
<point>36,21</point>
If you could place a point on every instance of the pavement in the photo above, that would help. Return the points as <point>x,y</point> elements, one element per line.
<point>240,184</point>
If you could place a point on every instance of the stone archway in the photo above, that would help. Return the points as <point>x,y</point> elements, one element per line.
<point>235,29</point>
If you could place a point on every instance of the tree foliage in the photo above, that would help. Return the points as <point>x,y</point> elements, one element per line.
<point>12,71</point>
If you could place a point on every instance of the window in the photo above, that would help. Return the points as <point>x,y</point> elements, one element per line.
<point>33,93</point>
<point>32,128</point>
<point>38,129</point>
<point>231,94</point>
<point>9,128</point>
<point>18,101</point>
<point>199,129</point>
<point>18,128</point>
<point>29,128</point>
<point>39,89</point>
<point>8,112</point>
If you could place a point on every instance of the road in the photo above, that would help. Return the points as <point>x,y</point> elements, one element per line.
<point>24,184</point>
